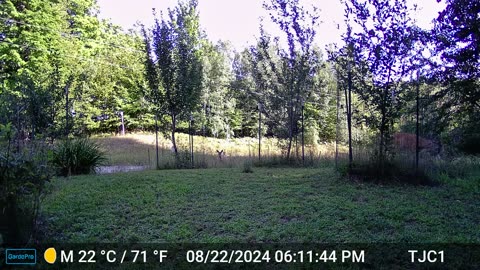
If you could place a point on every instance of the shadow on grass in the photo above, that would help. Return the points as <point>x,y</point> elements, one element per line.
<point>391,174</point>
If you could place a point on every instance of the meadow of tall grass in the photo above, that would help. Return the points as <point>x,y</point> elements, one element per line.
<point>138,149</point>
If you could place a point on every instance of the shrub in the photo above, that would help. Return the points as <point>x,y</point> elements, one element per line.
<point>455,167</point>
<point>77,156</point>
<point>247,167</point>
<point>23,173</point>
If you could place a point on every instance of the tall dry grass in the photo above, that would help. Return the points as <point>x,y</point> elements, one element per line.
<point>139,149</point>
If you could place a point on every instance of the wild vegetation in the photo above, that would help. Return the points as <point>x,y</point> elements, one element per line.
<point>139,150</point>
<point>392,103</point>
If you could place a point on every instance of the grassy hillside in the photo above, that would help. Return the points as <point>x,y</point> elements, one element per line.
<point>268,205</point>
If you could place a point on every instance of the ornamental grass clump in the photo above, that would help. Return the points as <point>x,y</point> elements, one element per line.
<point>77,156</point>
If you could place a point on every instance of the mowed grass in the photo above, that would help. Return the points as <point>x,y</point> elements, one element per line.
<point>268,205</point>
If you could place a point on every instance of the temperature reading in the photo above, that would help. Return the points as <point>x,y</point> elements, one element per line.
<point>162,254</point>
<point>136,253</point>
<point>131,256</point>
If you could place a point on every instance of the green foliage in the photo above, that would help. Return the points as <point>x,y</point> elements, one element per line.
<point>293,75</point>
<point>175,73</point>
<point>458,24</point>
<point>218,113</point>
<point>23,173</point>
<point>378,56</point>
<point>460,167</point>
<point>77,156</point>
<point>63,66</point>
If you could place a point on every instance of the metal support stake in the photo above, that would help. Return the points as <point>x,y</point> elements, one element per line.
<point>259,130</point>
<point>156,139</point>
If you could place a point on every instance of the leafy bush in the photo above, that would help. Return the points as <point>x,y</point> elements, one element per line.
<point>455,167</point>
<point>23,173</point>
<point>77,156</point>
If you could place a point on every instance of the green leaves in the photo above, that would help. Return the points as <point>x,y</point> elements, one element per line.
<point>58,51</point>
<point>456,37</point>
<point>377,59</point>
<point>173,63</point>
<point>78,156</point>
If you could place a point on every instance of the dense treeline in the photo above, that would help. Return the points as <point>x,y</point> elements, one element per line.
<point>280,86</point>
<point>65,71</point>
<point>62,67</point>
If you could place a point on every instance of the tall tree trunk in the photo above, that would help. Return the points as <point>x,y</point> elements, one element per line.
<point>66,112</point>
<point>349,119</point>
<point>290,131</point>
<point>417,128</point>
<point>18,136</point>
<point>337,128</point>
<point>190,137</point>
<point>259,133</point>
<point>303,136</point>
<point>382,142</point>
<point>156,140</point>
<point>67,105</point>
<point>174,128</point>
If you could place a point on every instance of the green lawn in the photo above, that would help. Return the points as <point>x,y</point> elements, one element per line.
<point>269,205</point>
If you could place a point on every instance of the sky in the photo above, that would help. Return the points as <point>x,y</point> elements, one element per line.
<point>238,20</point>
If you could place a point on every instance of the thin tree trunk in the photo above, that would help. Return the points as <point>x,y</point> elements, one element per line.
<point>259,134</point>
<point>174,127</point>
<point>349,119</point>
<point>303,137</point>
<point>123,123</point>
<point>290,132</point>
<point>296,143</point>
<point>417,144</point>
<point>382,142</point>
<point>18,137</point>
<point>156,140</point>
<point>190,131</point>
<point>337,127</point>
<point>67,131</point>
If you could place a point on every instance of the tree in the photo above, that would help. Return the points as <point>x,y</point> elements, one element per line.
<point>457,39</point>
<point>242,87</point>
<point>343,60</point>
<point>57,72</point>
<point>112,82</point>
<point>457,32</point>
<point>40,63</point>
<point>299,25</point>
<point>173,66</point>
<point>382,50</point>
<point>218,102</point>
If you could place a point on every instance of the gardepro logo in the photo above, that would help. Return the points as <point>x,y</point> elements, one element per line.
<point>20,256</point>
